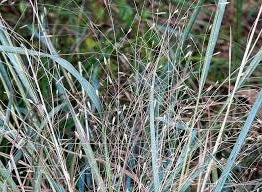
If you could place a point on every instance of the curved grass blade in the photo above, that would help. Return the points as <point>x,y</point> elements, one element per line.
<point>240,140</point>
<point>63,63</point>
<point>17,64</point>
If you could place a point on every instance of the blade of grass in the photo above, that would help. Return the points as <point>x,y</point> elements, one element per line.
<point>19,73</point>
<point>239,142</point>
<point>184,36</point>
<point>154,148</point>
<point>179,163</point>
<point>5,76</point>
<point>208,56</point>
<point>37,181</point>
<point>63,63</point>
<point>231,96</point>
<point>189,27</point>
<point>250,69</point>
<point>17,64</point>
<point>84,138</point>
<point>28,151</point>
<point>84,142</point>
<point>43,112</point>
<point>212,43</point>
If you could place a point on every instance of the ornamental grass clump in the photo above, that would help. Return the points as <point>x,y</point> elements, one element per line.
<point>126,96</point>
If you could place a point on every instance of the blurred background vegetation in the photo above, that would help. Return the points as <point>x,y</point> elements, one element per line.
<point>87,30</point>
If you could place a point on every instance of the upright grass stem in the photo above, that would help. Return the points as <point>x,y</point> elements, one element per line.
<point>239,142</point>
<point>231,96</point>
<point>209,54</point>
<point>154,148</point>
